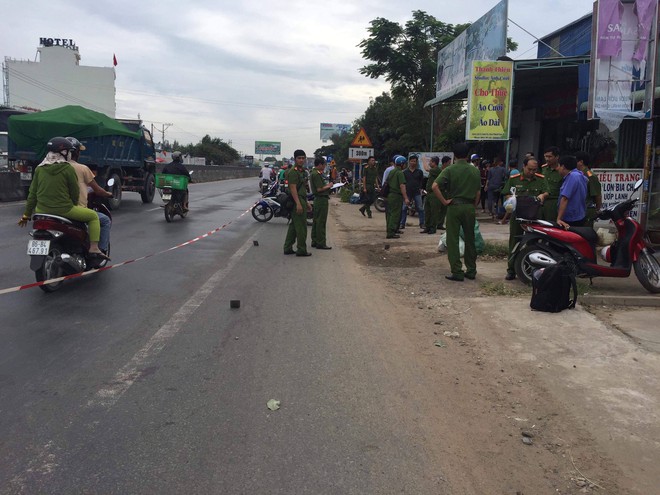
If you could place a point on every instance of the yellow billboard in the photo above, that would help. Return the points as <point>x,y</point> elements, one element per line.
<point>489,101</point>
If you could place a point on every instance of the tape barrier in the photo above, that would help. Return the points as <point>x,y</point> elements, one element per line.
<point>124,263</point>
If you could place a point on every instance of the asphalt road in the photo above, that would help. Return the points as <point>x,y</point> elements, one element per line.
<point>142,379</point>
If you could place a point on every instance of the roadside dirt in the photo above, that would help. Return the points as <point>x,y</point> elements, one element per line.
<point>528,403</point>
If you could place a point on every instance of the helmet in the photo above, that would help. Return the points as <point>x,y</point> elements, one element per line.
<point>59,144</point>
<point>77,145</point>
<point>400,160</point>
<point>176,156</point>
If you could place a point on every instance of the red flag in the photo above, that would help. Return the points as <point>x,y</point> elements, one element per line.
<point>114,60</point>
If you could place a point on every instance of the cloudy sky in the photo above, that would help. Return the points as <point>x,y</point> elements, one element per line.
<point>246,70</point>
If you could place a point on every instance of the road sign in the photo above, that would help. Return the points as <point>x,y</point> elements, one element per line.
<point>360,153</point>
<point>361,139</point>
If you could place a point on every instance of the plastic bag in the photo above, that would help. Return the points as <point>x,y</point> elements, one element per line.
<point>510,203</point>
<point>479,242</point>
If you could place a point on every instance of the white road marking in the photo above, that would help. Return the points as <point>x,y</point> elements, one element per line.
<point>131,371</point>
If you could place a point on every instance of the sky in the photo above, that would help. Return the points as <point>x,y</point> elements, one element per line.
<point>248,70</point>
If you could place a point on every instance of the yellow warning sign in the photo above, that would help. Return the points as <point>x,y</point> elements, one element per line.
<point>361,139</point>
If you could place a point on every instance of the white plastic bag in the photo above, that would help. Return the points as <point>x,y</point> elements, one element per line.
<point>442,244</point>
<point>510,203</point>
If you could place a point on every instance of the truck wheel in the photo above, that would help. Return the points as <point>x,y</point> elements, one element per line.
<point>149,188</point>
<point>115,201</point>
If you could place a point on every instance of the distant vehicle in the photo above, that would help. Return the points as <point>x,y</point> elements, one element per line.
<point>119,149</point>
<point>5,113</point>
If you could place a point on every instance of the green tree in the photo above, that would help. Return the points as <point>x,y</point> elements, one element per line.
<point>213,149</point>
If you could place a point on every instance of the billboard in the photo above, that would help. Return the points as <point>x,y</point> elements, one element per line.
<point>622,62</point>
<point>328,130</point>
<point>267,148</point>
<point>425,159</point>
<point>489,101</point>
<point>485,39</point>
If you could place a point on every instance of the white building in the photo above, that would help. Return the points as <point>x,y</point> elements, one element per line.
<point>57,79</point>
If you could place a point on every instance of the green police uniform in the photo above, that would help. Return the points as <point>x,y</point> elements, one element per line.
<point>553,180</point>
<point>593,191</point>
<point>321,199</point>
<point>432,204</point>
<point>524,187</point>
<point>394,200</point>
<point>370,177</point>
<point>462,183</point>
<point>298,227</point>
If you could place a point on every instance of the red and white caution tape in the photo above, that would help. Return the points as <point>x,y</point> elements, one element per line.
<point>123,263</point>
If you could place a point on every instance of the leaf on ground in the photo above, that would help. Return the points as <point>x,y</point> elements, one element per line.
<point>273,404</point>
<point>439,343</point>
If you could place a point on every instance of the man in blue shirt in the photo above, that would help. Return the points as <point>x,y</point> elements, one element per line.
<point>572,206</point>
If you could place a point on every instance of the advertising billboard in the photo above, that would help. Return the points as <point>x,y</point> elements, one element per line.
<point>328,130</point>
<point>622,63</point>
<point>267,148</point>
<point>489,101</point>
<point>485,39</point>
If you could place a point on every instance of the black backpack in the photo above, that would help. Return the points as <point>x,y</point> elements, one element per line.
<point>551,288</point>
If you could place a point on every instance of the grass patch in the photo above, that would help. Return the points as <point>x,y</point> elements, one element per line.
<point>495,250</point>
<point>502,289</point>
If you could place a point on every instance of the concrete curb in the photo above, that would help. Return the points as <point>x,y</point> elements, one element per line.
<point>620,300</point>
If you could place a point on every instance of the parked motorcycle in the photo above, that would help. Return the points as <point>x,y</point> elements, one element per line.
<point>172,190</point>
<point>545,243</point>
<point>60,246</point>
<point>381,202</point>
<point>274,203</point>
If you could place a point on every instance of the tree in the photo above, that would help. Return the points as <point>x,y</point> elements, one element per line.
<point>213,149</point>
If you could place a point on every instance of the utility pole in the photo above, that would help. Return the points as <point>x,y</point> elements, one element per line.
<point>163,132</point>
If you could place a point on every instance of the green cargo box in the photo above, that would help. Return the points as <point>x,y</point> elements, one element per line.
<point>178,182</point>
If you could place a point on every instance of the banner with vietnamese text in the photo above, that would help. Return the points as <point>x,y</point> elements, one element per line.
<point>489,101</point>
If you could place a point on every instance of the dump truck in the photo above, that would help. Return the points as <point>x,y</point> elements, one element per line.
<point>118,149</point>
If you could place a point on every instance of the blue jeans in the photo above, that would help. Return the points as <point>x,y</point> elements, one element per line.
<point>106,223</point>
<point>419,205</point>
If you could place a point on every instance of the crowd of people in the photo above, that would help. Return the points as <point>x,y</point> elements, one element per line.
<point>567,192</point>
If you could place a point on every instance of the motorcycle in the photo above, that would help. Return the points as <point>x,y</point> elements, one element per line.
<point>265,185</point>
<point>60,246</point>
<point>545,243</point>
<point>274,203</point>
<point>381,204</point>
<point>172,190</point>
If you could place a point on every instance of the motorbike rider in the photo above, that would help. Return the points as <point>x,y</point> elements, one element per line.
<point>54,190</point>
<point>86,181</point>
<point>176,167</point>
<point>266,173</point>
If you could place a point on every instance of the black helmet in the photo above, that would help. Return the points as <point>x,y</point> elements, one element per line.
<point>59,144</point>
<point>77,145</point>
<point>176,156</point>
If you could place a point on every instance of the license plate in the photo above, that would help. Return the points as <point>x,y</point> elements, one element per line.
<point>26,176</point>
<point>167,197</point>
<point>38,248</point>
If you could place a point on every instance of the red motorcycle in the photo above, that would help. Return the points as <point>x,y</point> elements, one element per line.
<point>545,243</point>
<point>60,246</point>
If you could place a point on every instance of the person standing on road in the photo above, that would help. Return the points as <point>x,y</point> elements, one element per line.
<point>414,179</point>
<point>396,198</point>
<point>529,183</point>
<point>386,173</point>
<point>458,187</point>
<point>85,180</point>
<point>445,162</point>
<point>432,203</point>
<point>494,181</point>
<point>553,179</point>
<point>297,231</point>
<point>572,208</point>
<point>369,184</point>
<point>594,190</point>
<point>321,191</point>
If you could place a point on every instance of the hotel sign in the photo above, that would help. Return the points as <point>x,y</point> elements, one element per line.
<point>66,42</point>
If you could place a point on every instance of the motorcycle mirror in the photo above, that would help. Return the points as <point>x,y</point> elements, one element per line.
<point>192,172</point>
<point>111,182</point>
<point>638,184</point>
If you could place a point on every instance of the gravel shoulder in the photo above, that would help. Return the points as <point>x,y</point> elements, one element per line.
<point>525,402</point>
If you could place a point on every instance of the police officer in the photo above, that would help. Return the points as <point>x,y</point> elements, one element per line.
<point>553,180</point>
<point>458,187</point>
<point>369,183</point>
<point>432,203</point>
<point>444,163</point>
<point>594,190</point>
<point>397,196</point>
<point>298,189</point>
<point>527,183</point>
<point>321,191</point>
